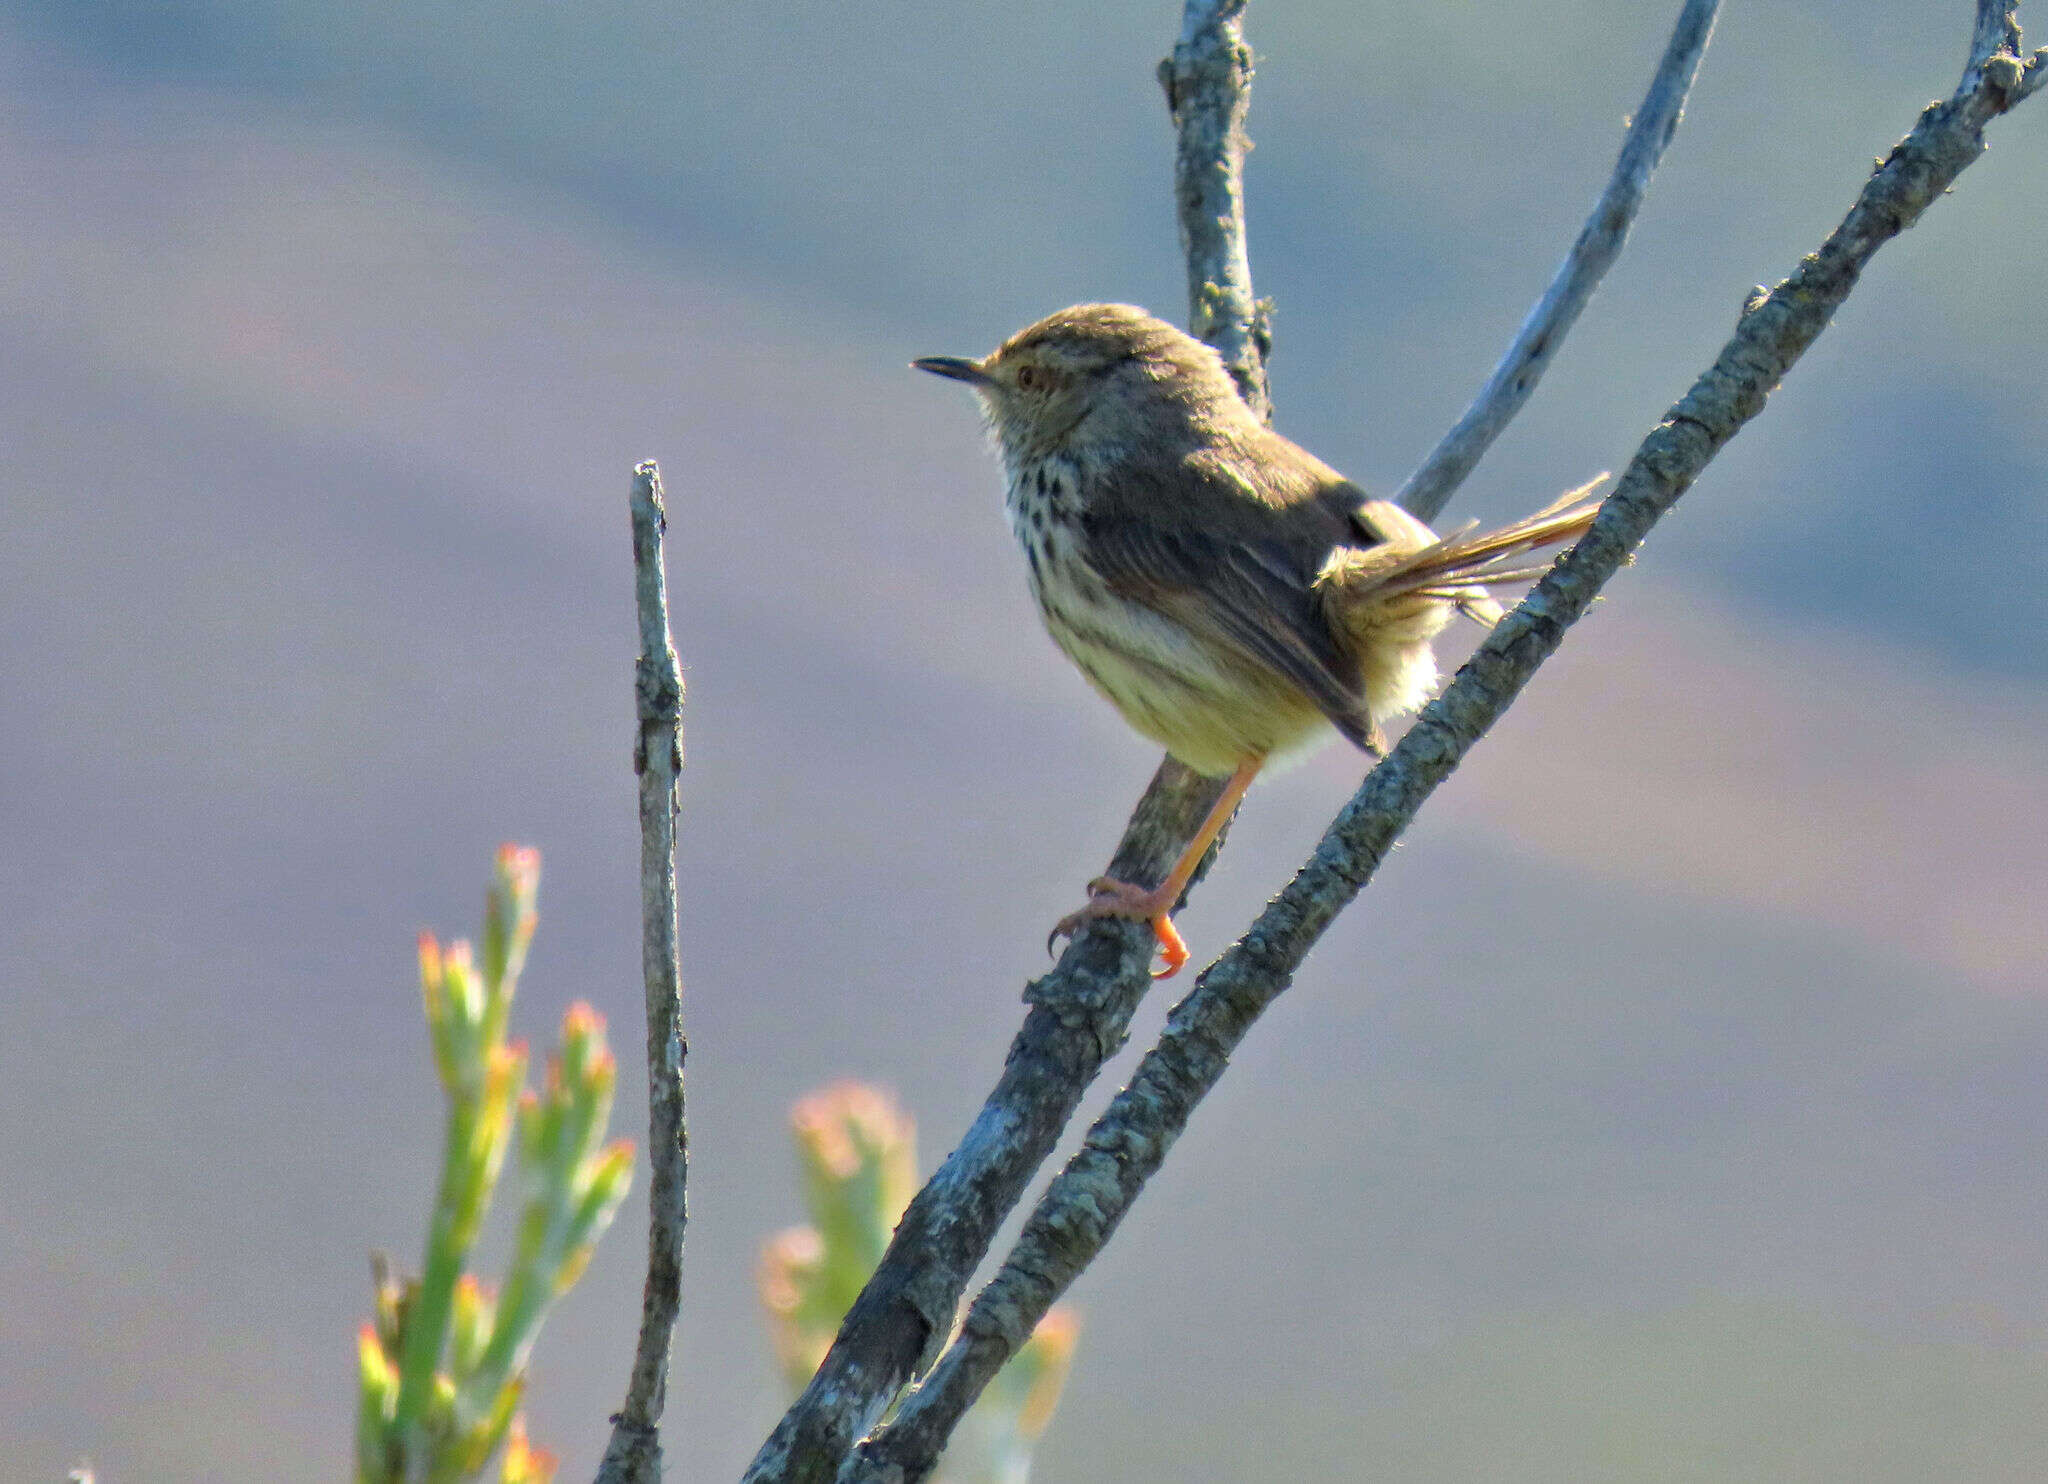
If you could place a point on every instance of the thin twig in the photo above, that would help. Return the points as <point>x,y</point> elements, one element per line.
<point>1127,1144</point>
<point>1081,1011</point>
<point>634,1453</point>
<point>1431,486</point>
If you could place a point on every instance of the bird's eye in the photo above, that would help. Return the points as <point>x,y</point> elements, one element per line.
<point>1027,377</point>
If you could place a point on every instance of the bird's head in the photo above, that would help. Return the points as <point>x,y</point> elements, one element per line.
<point>1096,376</point>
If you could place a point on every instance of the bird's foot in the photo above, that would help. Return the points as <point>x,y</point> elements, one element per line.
<point>1108,897</point>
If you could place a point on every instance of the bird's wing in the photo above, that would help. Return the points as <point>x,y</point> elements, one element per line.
<point>1245,593</point>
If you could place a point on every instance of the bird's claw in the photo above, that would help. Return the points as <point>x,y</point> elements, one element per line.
<point>1108,897</point>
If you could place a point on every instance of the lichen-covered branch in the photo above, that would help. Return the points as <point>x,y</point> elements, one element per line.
<point>1079,1017</point>
<point>634,1454</point>
<point>1208,82</point>
<point>1600,241</point>
<point>1128,1143</point>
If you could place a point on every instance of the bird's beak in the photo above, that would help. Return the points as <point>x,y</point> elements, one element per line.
<point>956,368</point>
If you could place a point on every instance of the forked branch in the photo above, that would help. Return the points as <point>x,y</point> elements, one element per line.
<point>1128,1143</point>
<point>1081,1011</point>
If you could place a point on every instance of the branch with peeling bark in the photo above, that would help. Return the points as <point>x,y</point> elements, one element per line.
<point>633,1455</point>
<point>1131,1139</point>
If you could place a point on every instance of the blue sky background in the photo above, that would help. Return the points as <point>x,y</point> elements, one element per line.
<point>1670,1108</point>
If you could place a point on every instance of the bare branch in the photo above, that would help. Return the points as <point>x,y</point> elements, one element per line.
<point>634,1454</point>
<point>1431,486</point>
<point>1128,1143</point>
<point>1208,82</point>
<point>1081,1011</point>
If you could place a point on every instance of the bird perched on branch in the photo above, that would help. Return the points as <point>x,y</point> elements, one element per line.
<point>1232,595</point>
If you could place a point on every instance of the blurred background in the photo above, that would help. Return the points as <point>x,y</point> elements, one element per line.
<point>1671,1107</point>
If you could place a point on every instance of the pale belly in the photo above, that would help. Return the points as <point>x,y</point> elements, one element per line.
<point>1213,711</point>
<point>1168,687</point>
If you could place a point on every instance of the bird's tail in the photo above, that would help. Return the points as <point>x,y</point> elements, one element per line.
<point>1365,586</point>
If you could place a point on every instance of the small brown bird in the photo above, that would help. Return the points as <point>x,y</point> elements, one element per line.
<point>1231,594</point>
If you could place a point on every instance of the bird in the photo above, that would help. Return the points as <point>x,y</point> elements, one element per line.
<point>1236,599</point>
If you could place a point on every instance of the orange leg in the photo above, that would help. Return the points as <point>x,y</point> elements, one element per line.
<point>1112,898</point>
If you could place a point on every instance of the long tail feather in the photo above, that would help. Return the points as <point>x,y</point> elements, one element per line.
<point>1386,598</point>
<point>1464,563</point>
